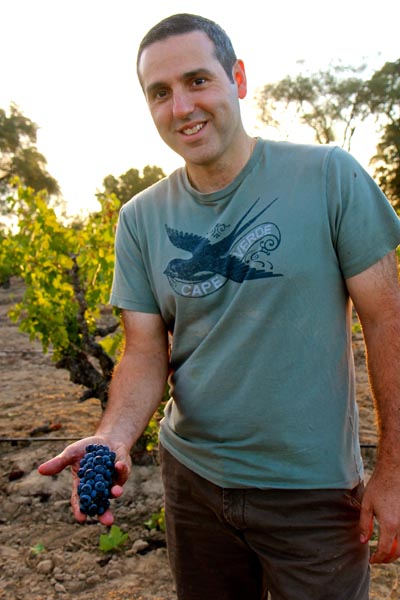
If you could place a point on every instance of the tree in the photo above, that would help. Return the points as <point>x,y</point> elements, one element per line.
<point>383,100</point>
<point>130,183</point>
<point>325,101</point>
<point>333,102</point>
<point>19,156</point>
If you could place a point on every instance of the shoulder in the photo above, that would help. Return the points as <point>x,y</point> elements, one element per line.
<point>297,149</point>
<point>154,194</point>
<point>308,157</point>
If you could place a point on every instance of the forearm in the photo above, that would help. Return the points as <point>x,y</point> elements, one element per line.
<point>376,296</point>
<point>135,392</point>
<point>383,349</point>
<point>382,492</point>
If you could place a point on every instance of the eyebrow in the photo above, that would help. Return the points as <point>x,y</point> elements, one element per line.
<point>184,77</point>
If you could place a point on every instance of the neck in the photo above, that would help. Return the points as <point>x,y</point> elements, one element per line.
<point>216,176</point>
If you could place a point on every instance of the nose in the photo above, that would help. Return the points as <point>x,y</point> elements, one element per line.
<point>182,105</point>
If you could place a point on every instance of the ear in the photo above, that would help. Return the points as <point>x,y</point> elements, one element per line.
<point>239,76</point>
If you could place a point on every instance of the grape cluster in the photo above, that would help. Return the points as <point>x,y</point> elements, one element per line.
<point>95,474</point>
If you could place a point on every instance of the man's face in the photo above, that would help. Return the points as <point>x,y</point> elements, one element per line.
<point>194,104</point>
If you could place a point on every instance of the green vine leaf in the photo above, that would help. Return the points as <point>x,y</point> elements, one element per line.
<point>113,540</point>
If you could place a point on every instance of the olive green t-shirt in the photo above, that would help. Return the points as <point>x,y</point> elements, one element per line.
<point>250,281</point>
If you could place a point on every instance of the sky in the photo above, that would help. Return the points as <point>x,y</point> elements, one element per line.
<point>70,67</point>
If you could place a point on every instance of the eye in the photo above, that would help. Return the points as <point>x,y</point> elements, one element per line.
<point>157,94</point>
<point>160,94</point>
<point>199,81</point>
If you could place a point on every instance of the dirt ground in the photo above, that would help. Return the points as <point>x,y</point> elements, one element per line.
<point>44,553</point>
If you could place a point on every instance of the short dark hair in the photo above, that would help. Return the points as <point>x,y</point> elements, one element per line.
<point>185,23</point>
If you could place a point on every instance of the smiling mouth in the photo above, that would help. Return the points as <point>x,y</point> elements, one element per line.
<point>193,130</point>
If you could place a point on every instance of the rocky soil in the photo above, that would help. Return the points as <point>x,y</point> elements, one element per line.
<point>44,553</point>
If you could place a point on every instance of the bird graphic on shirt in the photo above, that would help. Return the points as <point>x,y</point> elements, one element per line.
<point>208,259</point>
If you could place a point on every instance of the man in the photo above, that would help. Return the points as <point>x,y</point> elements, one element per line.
<point>249,256</point>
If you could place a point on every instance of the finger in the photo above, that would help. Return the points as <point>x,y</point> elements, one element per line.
<point>384,549</point>
<point>70,455</point>
<point>107,518</point>
<point>386,553</point>
<point>79,516</point>
<point>395,551</point>
<point>121,473</point>
<point>366,525</point>
<point>117,491</point>
<point>54,465</point>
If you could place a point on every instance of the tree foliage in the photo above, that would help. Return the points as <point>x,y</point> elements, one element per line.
<point>383,100</point>
<point>67,272</point>
<point>130,183</point>
<point>325,101</point>
<point>334,102</point>
<point>19,156</point>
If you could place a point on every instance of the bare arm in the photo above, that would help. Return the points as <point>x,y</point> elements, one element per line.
<point>376,297</point>
<point>139,380</point>
<point>135,392</point>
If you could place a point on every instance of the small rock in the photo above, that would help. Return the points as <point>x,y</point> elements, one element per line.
<point>45,567</point>
<point>75,586</point>
<point>139,545</point>
<point>93,579</point>
<point>8,553</point>
<point>141,508</point>
<point>113,573</point>
<point>61,503</point>
<point>23,500</point>
<point>60,588</point>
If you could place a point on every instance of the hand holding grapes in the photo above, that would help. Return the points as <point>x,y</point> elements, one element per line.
<point>72,456</point>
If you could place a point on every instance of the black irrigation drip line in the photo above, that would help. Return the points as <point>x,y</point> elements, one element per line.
<point>38,439</point>
<point>75,439</point>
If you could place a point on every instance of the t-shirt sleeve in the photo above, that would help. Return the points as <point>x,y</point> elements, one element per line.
<point>364,225</point>
<point>131,289</point>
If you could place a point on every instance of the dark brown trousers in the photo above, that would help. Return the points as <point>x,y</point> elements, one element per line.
<point>251,544</point>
